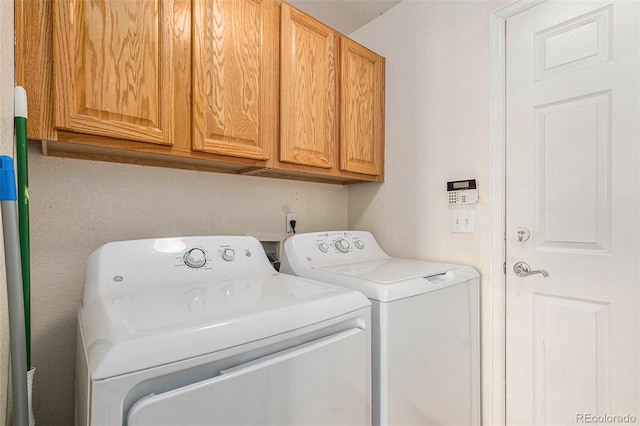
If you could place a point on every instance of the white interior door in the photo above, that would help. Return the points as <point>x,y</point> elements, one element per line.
<point>573,139</point>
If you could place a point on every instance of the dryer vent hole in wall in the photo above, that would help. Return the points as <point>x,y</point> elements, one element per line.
<point>272,250</point>
<point>274,261</point>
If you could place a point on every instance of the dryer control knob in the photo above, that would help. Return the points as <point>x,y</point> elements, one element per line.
<point>324,247</point>
<point>360,244</point>
<point>342,245</point>
<point>228,254</point>
<point>195,258</point>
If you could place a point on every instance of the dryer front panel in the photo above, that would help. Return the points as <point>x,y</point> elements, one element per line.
<point>323,382</point>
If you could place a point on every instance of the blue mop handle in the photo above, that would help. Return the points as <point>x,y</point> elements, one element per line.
<point>8,202</point>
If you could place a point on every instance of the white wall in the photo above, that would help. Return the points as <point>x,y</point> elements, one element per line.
<point>437,130</point>
<point>77,205</point>
<point>6,148</point>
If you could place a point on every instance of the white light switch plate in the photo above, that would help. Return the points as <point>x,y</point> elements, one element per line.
<point>463,221</point>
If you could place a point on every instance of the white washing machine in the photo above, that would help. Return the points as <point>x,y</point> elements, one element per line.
<point>425,325</point>
<point>203,331</point>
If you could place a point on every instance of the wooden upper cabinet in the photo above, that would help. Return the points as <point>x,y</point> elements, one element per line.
<point>362,110</point>
<point>308,86</point>
<point>247,86</point>
<point>112,65</point>
<point>235,79</point>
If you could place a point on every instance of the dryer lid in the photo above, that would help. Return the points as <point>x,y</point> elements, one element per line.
<point>134,331</point>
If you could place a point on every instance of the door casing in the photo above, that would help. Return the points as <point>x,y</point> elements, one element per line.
<point>495,401</point>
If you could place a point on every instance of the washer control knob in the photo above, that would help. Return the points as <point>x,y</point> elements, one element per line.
<point>360,244</point>
<point>195,258</point>
<point>228,254</point>
<point>342,245</point>
<point>324,247</point>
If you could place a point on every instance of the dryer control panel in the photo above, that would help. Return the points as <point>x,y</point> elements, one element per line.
<point>126,265</point>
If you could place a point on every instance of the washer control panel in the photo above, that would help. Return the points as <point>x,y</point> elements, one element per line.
<point>339,242</point>
<point>333,247</point>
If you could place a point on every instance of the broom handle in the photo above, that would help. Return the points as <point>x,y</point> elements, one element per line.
<point>14,292</point>
<point>20,113</point>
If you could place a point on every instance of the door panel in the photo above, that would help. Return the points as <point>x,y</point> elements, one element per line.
<point>112,68</point>
<point>573,102</point>
<point>573,135</point>
<point>235,77</point>
<point>576,330</point>
<point>574,44</point>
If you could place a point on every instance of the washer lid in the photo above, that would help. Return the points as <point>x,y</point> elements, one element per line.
<point>388,270</point>
<point>133,331</point>
<point>388,279</point>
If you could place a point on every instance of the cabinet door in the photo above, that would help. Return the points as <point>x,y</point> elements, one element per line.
<point>308,127</point>
<point>235,54</point>
<point>112,64</point>
<point>362,110</point>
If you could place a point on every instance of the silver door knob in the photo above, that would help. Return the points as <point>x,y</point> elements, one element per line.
<point>521,234</point>
<point>523,270</point>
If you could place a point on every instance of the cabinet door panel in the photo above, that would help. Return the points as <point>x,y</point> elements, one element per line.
<point>307,91</point>
<point>112,68</point>
<point>362,109</point>
<point>235,77</point>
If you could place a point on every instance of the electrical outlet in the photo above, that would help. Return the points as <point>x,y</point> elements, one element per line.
<point>290,216</point>
<point>463,221</point>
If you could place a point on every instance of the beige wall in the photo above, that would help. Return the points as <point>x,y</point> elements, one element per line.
<point>6,148</point>
<point>437,130</point>
<point>77,205</point>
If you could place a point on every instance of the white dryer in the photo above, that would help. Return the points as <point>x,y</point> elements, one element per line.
<point>203,331</point>
<point>425,325</point>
